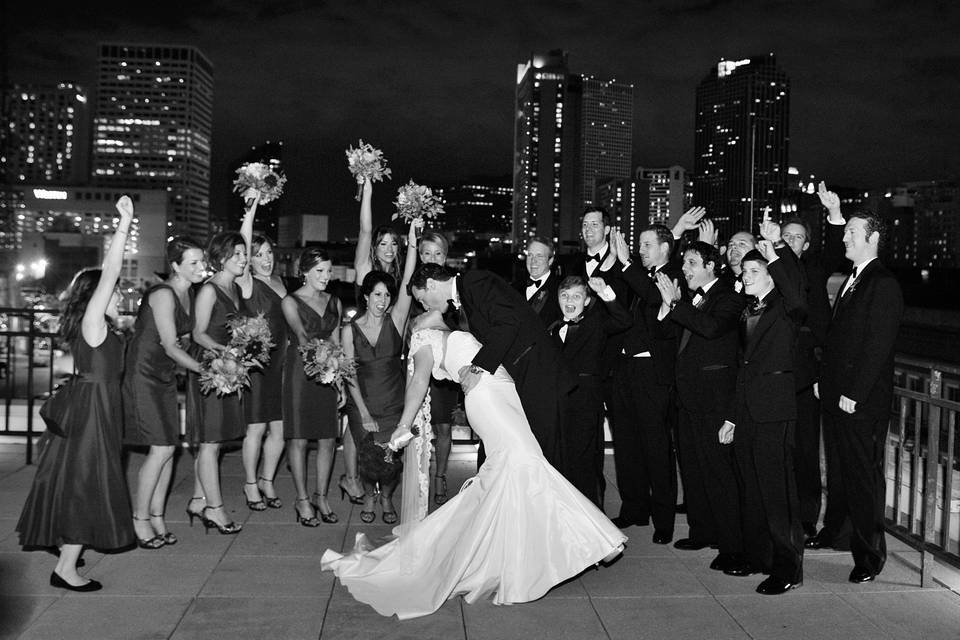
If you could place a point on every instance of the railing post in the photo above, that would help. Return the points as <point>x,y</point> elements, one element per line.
<point>30,351</point>
<point>927,559</point>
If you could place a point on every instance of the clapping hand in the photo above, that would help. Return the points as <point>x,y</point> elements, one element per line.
<point>618,246</point>
<point>669,289</point>
<point>125,208</point>
<point>769,230</point>
<point>708,232</point>
<point>689,220</point>
<point>725,435</point>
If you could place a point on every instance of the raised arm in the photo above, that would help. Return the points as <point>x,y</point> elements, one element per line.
<point>401,309</point>
<point>93,327</point>
<point>202,310</point>
<point>246,230</point>
<point>163,307</point>
<point>361,259</point>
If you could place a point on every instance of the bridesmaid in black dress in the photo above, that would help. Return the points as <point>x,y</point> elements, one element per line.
<point>263,404</point>
<point>310,408</point>
<point>215,419</point>
<point>79,495</point>
<point>375,401</point>
<point>151,409</point>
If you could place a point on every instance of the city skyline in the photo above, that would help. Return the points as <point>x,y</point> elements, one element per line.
<point>874,86</point>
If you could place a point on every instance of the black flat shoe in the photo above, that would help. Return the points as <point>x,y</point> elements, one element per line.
<point>775,586</point>
<point>60,583</point>
<point>661,537</point>
<point>689,544</point>
<point>860,575</point>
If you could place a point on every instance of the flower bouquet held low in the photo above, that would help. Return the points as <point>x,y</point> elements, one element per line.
<point>251,335</point>
<point>228,371</point>
<point>366,162</point>
<point>258,178</point>
<point>325,362</point>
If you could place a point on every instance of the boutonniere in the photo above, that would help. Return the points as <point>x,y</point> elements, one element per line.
<point>754,307</point>
<point>540,295</point>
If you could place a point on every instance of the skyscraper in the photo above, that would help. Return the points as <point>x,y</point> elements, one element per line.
<point>476,207</point>
<point>152,127</point>
<point>570,133</point>
<point>666,189</point>
<point>741,142</point>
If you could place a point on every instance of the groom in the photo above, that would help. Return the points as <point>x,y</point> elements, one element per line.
<point>511,334</point>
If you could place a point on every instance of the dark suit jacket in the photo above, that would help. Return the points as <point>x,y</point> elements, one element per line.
<point>510,331</point>
<point>707,356</point>
<point>765,380</point>
<point>583,350</point>
<point>859,352</point>
<point>611,276</point>
<point>647,333</point>
<point>544,301</point>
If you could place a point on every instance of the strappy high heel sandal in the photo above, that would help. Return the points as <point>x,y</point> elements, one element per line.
<point>329,517</point>
<point>254,505</point>
<point>367,517</point>
<point>312,521</point>
<point>389,517</point>
<point>168,538</point>
<point>191,514</point>
<point>149,543</point>
<point>274,502</point>
<point>345,492</point>
<point>440,488</point>
<point>225,529</point>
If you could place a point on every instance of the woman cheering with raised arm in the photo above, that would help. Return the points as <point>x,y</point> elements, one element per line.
<point>79,495</point>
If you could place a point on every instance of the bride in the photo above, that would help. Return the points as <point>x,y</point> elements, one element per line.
<point>516,529</point>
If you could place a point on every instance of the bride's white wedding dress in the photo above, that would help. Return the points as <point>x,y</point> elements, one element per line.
<point>516,529</point>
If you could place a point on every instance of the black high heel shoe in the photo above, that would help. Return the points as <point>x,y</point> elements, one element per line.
<point>168,538</point>
<point>225,529</point>
<point>344,492</point>
<point>274,502</point>
<point>440,488</point>
<point>389,517</point>
<point>195,514</point>
<point>329,517</point>
<point>312,521</point>
<point>148,543</point>
<point>367,517</point>
<point>254,505</point>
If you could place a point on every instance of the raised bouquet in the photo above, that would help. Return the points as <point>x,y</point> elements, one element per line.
<point>257,177</point>
<point>325,362</point>
<point>416,202</point>
<point>228,371</point>
<point>366,162</point>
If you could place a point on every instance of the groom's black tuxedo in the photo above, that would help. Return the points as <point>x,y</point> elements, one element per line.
<point>512,334</point>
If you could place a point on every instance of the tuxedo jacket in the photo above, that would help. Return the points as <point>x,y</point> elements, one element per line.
<point>859,352</point>
<point>544,301</point>
<point>647,333</point>
<point>707,353</point>
<point>612,276</point>
<point>509,330</point>
<point>583,350</point>
<point>765,381</point>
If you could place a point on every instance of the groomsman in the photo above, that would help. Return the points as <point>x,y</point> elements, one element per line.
<point>856,388</point>
<point>512,335</point>
<point>706,384</point>
<point>590,314</point>
<point>739,244</point>
<point>761,428</point>
<point>597,260</point>
<point>643,380</point>
<point>540,285</point>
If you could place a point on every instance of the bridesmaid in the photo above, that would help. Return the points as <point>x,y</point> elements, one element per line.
<point>151,412</point>
<point>310,408</point>
<point>79,494</point>
<point>216,419</point>
<point>375,401</point>
<point>444,394</point>
<point>263,405</point>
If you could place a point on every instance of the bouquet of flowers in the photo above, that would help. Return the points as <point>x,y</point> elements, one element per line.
<point>366,162</point>
<point>251,335</point>
<point>257,177</point>
<point>416,201</point>
<point>325,362</point>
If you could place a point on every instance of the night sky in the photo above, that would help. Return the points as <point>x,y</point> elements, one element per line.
<point>875,85</point>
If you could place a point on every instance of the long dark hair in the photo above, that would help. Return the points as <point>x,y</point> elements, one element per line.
<point>77,296</point>
<point>392,269</point>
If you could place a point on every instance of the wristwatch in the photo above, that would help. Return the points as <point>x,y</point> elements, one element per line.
<point>474,368</point>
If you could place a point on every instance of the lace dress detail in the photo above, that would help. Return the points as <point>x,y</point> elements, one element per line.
<point>415,496</point>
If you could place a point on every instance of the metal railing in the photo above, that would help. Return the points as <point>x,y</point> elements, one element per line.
<point>923,461</point>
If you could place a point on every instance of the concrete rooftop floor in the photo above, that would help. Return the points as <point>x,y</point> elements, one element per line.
<point>266,583</point>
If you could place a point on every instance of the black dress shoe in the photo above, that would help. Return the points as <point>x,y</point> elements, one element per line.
<point>742,568</point>
<point>821,540</point>
<point>725,561</point>
<point>622,522</point>
<point>775,586</point>
<point>859,575</point>
<point>661,537</point>
<point>60,583</point>
<point>809,530</point>
<point>689,544</point>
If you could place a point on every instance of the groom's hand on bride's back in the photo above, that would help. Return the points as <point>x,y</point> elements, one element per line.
<point>468,379</point>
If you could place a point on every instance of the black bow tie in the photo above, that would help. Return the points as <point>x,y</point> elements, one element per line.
<point>594,257</point>
<point>700,292</point>
<point>754,305</point>
<point>567,323</point>
<point>652,273</point>
<point>534,283</point>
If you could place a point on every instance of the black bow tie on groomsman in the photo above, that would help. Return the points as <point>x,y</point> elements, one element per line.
<point>534,283</point>
<point>592,258</point>
<point>572,321</point>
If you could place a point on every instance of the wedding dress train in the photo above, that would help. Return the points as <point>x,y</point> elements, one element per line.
<point>515,530</point>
